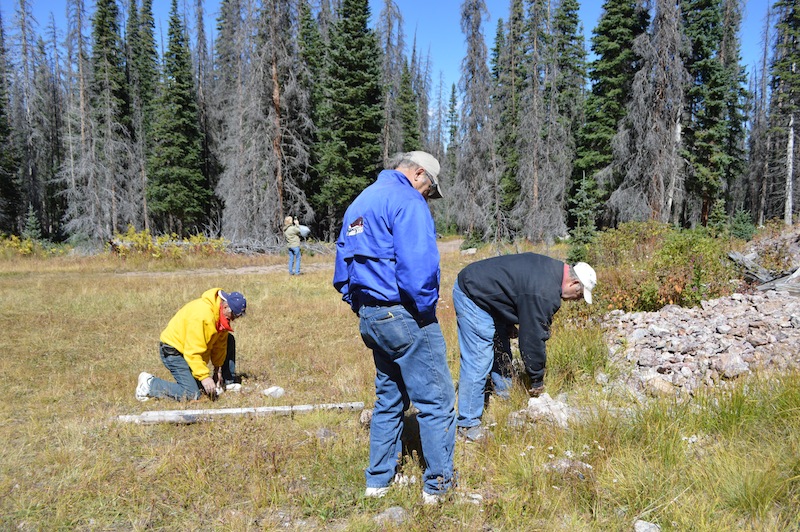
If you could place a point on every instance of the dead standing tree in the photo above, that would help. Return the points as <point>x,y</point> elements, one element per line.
<point>477,163</point>
<point>646,149</point>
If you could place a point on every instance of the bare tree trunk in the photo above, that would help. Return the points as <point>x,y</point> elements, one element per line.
<point>276,140</point>
<point>787,206</point>
<point>673,179</point>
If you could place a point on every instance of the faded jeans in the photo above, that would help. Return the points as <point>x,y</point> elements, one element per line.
<point>411,367</point>
<point>294,260</point>
<point>186,387</point>
<point>477,332</point>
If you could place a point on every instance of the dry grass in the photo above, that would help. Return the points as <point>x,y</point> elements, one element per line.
<point>78,331</point>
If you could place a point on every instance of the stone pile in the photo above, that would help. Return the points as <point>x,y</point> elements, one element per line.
<point>679,349</point>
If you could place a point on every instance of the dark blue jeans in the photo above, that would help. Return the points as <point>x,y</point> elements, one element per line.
<point>411,366</point>
<point>186,387</point>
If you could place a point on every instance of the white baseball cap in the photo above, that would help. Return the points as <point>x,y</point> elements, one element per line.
<point>429,163</point>
<point>588,278</point>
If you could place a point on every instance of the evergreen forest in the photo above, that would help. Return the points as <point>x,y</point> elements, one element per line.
<point>294,106</point>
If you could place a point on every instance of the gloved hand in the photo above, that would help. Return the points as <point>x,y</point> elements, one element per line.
<point>536,389</point>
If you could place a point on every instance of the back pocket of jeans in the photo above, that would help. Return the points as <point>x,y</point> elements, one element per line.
<point>393,334</point>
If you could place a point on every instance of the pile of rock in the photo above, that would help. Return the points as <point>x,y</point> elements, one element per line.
<point>681,349</point>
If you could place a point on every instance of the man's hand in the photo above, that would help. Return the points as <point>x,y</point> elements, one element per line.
<point>536,389</point>
<point>296,221</point>
<point>210,387</point>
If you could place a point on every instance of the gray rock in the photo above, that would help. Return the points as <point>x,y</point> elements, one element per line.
<point>547,410</point>
<point>731,365</point>
<point>395,515</point>
<point>645,526</point>
<point>659,387</point>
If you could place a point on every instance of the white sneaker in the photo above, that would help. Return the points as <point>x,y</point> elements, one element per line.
<point>432,498</point>
<point>143,386</point>
<point>376,493</point>
<point>233,387</point>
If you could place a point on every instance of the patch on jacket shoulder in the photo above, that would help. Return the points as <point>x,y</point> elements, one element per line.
<point>356,228</point>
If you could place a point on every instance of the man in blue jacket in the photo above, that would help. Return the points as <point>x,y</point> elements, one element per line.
<point>490,297</point>
<point>387,269</point>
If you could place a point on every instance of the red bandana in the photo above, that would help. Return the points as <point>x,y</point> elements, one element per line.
<point>223,324</point>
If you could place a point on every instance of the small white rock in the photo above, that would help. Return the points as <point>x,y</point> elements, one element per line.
<point>274,391</point>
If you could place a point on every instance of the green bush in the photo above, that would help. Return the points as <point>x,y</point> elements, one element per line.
<point>646,265</point>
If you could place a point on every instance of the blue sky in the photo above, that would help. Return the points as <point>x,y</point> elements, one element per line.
<point>436,24</point>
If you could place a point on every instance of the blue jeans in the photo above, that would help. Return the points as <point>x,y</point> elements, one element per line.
<point>294,260</point>
<point>186,387</point>
<point>477,331</point>
<point>411,367</point>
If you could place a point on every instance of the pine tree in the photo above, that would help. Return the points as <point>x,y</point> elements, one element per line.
<point>704,125</point>
<point>737,101</point>
<point>646,147</point>
<point>22,95</point>
<point>204,77</point>
<point>33,229</point>
<point>352,119</point>
<point>10,194</point>
<point>509,75</point>
<point>785,83</point>
<point>47,112</point>
<point>312,53</point>
<point>409,114</point>
<point>390,29</point>
<point>99,204</point>
<point>476,189</point>
<point>611,74</point>
<point>543,141</point>
<point>757,180</point>
<point>570,57</point>
<point>176,188</point>
<point>78,172</point>
<point>142,60</point>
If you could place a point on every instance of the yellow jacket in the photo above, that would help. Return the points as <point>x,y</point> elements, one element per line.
<point>193,332</point>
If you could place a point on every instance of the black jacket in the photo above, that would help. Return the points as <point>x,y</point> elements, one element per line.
<point>522,289</point>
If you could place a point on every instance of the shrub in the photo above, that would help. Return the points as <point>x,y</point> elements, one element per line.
<point>646,265</point>
<point>14,245</point>
<point>133,242</point>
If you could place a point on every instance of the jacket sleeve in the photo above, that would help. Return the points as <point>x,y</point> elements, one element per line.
<point>196,345</point>
<point>417,258</point>
<point>535,317</point>
<point>341,276</point>
<point>219,351</point>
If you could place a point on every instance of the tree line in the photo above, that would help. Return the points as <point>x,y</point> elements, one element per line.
<point>294,106</point>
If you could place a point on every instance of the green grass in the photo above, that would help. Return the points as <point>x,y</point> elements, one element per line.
<point>76,333</point>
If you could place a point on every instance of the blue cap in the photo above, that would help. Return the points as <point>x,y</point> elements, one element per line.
<point>235,301</point>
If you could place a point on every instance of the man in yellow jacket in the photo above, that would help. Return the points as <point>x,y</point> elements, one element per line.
<point>198,334</point>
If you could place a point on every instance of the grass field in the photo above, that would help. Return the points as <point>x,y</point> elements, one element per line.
<point>77,332</point>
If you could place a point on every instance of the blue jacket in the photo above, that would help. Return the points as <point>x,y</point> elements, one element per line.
<point>386,251</point>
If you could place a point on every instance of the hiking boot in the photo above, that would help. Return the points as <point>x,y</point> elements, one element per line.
<point>473,434</point>
<point>143,386</point>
